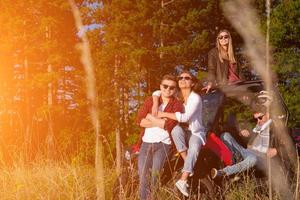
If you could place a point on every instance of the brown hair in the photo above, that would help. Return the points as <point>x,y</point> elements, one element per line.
<point>229,54</point>
<point>194,79</point>
<point>169,77</point>
<point>258,108</point>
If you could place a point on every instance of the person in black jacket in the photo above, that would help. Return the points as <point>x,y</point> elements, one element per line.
<point>222,65</point>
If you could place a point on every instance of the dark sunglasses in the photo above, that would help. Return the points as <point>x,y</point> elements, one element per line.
<point>259,118</point>
<point>223,37</point>
<point>185,78</point>
<point>168,86</point>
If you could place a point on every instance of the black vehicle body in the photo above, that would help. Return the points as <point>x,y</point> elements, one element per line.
<point>213,116</point>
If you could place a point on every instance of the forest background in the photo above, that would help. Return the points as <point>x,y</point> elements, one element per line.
<point>44,111</point>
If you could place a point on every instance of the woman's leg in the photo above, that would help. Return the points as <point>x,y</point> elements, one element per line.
<point>179,138</point>
<point>195,144</point>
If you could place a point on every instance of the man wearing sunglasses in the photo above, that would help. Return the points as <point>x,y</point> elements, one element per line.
<point>256,152</point>
<point>155,136</point>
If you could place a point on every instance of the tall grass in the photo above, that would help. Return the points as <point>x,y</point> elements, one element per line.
<point>48,180</point>
<point>61,180</point>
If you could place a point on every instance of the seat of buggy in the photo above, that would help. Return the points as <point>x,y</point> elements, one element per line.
<point>215,144</point>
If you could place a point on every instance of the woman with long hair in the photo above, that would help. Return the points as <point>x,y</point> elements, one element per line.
<point>189,141</point>
<point>222,65</point>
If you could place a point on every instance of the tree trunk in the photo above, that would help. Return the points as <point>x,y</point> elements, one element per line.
<point>27,138</point>
<point>50,135</point>
<point>126,111</point>
<point>117,104</point>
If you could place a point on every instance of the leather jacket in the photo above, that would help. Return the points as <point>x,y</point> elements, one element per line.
<point>218,71</point>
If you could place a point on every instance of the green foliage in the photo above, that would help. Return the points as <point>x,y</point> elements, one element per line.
<point>134,44</point>
<point>284,35</point>
<point>285,25</point>
<point>138,42</point>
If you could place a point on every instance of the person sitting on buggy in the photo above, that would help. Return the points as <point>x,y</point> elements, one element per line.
<point>188,142</point>
<point>256,152</point>
<point>154,138</point>
<point>223,69</point>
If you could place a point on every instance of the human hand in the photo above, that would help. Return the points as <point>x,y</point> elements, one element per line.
<point>208,87</point>
<point>244,133</point>
<point>149,117</point>
<point>160,114</point>
<point>271,152</point>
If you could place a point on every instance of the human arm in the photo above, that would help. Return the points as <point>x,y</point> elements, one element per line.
<point>167,115</point>
<point>151,121</point>
<point>173,106</point>
<point>240,69</point>
<point>194,104</point>
<point>155,97</point>
<point>211,67</point>
<point>144,110</point>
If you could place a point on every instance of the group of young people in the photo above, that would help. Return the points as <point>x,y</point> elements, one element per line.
<point>162,112</point>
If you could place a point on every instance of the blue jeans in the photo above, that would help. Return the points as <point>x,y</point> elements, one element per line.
<point>249,158</point>
<point>252,158</point>
<point>151,160</point>
<point>181,138</point>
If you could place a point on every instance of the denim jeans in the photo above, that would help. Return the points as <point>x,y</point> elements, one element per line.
<point>249,157</point>
<point>181,138</point>
<point>151,160</point>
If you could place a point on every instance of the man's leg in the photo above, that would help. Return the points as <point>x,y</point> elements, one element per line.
<point>233,146</point>
<point>249,158</point>
<point>144,165</point>
<point>249,161</point>
<point>160,155</point>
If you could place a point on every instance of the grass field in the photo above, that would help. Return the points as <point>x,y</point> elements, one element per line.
<point>63,181</point>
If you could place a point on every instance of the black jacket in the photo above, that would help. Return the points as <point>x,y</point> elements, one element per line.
<point>217,71</point>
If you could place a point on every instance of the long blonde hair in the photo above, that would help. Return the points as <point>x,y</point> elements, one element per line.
<point>229,55</point>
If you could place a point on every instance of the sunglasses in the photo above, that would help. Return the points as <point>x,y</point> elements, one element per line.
<point>168,86</point>
<point>259,118</point>
<point>185,78</point>
<point>223,37</point>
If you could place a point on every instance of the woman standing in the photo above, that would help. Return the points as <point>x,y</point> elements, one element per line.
<point>194,135</point>
<point>222,65</point>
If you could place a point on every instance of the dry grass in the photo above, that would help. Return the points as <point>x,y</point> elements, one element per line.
<point>49,180</point>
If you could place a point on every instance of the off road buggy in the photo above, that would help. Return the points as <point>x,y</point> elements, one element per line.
<point>215,154</point>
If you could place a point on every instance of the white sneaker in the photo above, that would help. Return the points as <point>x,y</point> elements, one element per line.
<point>182,187</point>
